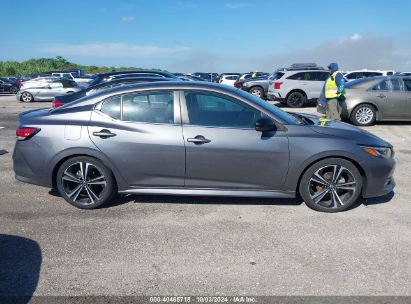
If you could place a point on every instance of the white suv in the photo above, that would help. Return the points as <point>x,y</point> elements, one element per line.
<point>297,88</point>
<point>228,79</point>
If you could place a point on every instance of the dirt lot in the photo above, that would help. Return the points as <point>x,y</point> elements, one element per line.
<point>159,245</point>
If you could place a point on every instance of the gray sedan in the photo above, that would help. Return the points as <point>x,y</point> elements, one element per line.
<point>46,90</point>
<point>376,99</point>
<point>193,138</point>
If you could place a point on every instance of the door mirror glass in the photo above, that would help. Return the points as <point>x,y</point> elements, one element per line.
<point>265,124</point>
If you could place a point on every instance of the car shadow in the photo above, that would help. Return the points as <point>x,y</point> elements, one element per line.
<point>20,262</point>
<point>198,200</point>
<point>377,200</point>
<point>122,199</point>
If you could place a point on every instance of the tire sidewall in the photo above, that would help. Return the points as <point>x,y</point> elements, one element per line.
<point>108,193</point>
<point>354,112</point>
<point>304,183</point>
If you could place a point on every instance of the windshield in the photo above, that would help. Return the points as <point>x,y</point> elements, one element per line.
<point>284,116</point>
<point>276,75</point>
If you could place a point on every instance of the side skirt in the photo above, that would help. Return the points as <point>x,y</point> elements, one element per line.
<point>210,192</point>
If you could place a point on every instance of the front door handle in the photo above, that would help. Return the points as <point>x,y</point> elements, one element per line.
<point>198,140</point>
<point>382,96</point>
<point>104,133</point>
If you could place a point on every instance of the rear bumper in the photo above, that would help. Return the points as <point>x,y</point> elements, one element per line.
<point>29,164</point>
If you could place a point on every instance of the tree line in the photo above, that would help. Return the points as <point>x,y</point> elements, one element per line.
<point>41,65</point>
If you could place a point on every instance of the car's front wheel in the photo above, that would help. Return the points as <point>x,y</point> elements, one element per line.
<point>331,185</point>
<point>85,182</point>
<point>363,115</point>
<point>26,97</point>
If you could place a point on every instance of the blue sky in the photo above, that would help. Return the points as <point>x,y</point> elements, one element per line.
<point>218,35</point>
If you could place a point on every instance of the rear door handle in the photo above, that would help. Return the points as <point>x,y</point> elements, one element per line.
<point>198,140</point>
<point>104,133</point>
<point>381,96</point>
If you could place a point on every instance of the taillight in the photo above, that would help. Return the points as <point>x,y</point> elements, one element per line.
<point>26,133</point>
<point>57,103</point>
<point>277,85</point>
<point>220,80</point>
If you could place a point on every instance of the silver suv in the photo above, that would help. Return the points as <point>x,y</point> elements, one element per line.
<point>297,87</point>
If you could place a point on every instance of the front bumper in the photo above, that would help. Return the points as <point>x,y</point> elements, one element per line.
<point>380,180</point>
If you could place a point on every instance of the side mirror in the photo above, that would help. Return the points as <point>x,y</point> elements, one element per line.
<point>265,124</point>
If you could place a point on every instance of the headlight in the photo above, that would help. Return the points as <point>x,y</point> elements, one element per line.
<point>379,151</point>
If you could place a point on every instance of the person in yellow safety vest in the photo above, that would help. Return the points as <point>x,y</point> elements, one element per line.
<point>334,92</point>
<point>254,75</point>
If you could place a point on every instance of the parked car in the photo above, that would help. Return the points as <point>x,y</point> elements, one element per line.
<point>196,138</point>
<point>228,79</point>
<point>296,88</point>
<point>376,99</point>
<point>210,77</point>
<point>191,78</point>
<point>73,76</point>
<point>60,100</point>
<point>353,75</point>
<point>102,77</point>
<point>257,86</point>
<point>8,86</point>
<point>246,76</point>
<point>46,90</point>
<point>217,79</point>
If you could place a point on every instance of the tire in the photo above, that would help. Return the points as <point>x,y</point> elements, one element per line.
<point>363,115</point>
<point>14,90</point>
<point>257,91</point>
<point>331,185</point>
<point>26,97</point>
<point>296,100</point>
<point>85,182</point>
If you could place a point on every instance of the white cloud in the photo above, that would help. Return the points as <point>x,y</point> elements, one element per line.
<point>127,19</point>
<point>112,50</point>
<point>355,37</point>
<point>235,5</point>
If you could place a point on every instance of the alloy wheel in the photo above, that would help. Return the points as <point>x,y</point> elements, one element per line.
<point>26,97</point>
<point>83,183</point>
<point>332,186</point>
<point>364,115</point>
<point>256,92</point>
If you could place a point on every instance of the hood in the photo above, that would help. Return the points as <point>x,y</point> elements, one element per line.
<point>345,130</point>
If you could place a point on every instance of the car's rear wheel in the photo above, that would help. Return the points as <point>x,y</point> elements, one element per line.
<point>296,100</point>
<point>26,97</point>
<point>257,91</point>
<point>363,115</point>
<point>85,182</point>
<point>331,185</point>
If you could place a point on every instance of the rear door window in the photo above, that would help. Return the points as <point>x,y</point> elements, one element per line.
<point>149,108</point>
